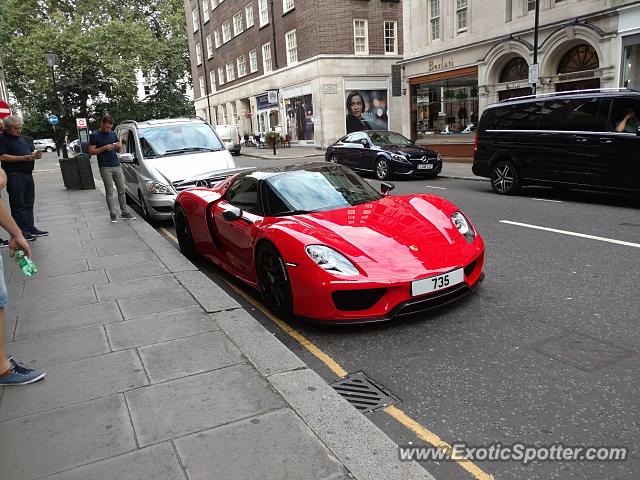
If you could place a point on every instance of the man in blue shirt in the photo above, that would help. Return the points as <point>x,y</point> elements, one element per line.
<point>17,155</point>
<point>104,143</point>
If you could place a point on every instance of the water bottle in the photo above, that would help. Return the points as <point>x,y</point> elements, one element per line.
<point>25,263</point>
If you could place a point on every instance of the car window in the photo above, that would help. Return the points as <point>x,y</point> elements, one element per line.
<point>389,138</point>
<point>522,116</point>
<point>327,188</point>
<point>625,115</point>
<point>168,140</point>
<point>356,137</point>
<point>573,114</point>
<point>244,194</point>
<point>123,137</point>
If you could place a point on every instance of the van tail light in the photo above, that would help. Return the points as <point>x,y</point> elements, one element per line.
<point>475,143</point>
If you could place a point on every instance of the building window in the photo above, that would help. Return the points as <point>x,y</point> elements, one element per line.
<point>214,4</point>
<point>231,73</point>
<point>203,92</point>
<point>292,47</point>
<point>361,37</point>
<point>234,112</point>
<point>216,36</point>
<point>263,8</point>
<point>237,24</point>
<point>198,53</point>
<point>226,31</point>
<point>434,19</point>
<point>209,47</point>
<point>461,15</point>
<point>147,90</point>
<point>248,12</point>
<point>287,5</point>
<point>220,76</point>
<point>253,61</point>
<point>390,38</point>
<point>212,81</point>
<point>531,5</point>
<point>242,66</point>
<point>194,18</point>
<point>205,10</point>
<point>266,58</point>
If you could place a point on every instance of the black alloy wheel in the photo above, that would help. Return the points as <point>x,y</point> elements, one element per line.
<point>274,281</point>
<point>504,178</point>
<point>382,169</point>
<point>183,232</point>
<point>333,158</point>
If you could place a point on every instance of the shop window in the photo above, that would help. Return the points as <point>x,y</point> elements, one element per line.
<point>578,59</point>
<point>515,70</point>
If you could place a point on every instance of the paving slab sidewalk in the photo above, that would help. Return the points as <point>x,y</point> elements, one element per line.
<point>154,372</point>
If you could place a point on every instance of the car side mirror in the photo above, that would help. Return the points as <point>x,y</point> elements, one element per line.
<point>126,158</point>
<point>386,187</point>
<point>365,143</point>
<point>232,213</point>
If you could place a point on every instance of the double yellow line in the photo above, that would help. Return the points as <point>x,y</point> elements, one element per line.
<point>422,433</point>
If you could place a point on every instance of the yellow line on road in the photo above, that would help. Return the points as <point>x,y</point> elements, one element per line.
<point>335,367</point>
<point>436,441</point>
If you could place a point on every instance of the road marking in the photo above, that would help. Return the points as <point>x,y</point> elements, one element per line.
<point>439,188</point>
<point>336,368</point>
<point>545,200</point>
<point>169,234</point>
<point>436,441</point>
<point>573,234</point>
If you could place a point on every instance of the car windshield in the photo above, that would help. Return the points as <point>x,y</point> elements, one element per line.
<point>328,188</point>
<point>167,140</point>
<point>389,138</point>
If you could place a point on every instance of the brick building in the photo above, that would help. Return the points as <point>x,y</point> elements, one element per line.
<point>289,65</point>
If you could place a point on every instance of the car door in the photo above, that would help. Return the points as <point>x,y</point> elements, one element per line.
<point>340,150</point>
<point>569,141</point>
<point>355,157</point>
<point>125,137</point>
<point>236,237</point>
<point>620,149</point>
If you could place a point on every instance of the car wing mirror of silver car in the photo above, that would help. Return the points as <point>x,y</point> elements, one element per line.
<point>127,158</point>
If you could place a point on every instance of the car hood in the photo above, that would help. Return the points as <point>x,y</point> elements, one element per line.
<point>181,167</point>
<point>393,238</point>
<point>413,150</point>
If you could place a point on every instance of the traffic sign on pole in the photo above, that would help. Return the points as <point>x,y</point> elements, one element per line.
<point>53,119</point>
<point>5,110</point>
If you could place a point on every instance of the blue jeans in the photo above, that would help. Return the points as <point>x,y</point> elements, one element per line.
<point>22,193</point>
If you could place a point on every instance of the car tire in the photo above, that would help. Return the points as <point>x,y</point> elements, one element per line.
<point>382,169</point>
<point>183,232</point>
<point>505,179</point>
<point>143,208</point>
<point>333,158</point>
<point>48,149</point>
<point>273,279</point>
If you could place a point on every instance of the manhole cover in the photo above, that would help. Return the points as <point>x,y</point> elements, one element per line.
<point>582,351</point>
<point>363,393</point>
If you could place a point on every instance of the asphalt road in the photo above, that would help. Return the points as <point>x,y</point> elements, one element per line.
<point>545,352</point>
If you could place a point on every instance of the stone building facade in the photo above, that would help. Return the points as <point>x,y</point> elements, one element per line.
<point>289,65</point>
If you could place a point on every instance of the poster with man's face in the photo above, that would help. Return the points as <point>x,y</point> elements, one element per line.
<point>366,110</point>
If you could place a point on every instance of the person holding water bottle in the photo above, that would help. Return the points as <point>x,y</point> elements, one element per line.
<point>11,372</point>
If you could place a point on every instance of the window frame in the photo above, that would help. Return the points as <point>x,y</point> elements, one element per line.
<point>244,65</point>
<point>261,11</point>
<point>238,26</point>
<point>462,7</point>
<point>228,24</point>
<point>209,47</point>
<point>195,20</point>
<point>205,11</point>
<point>232,77</point>
<point>265,58</point>
<point>395,37</point>
<point>217,36</point>
<point>289,48</point>
<point>212,81</point>
<point>221,76</point>
<point>434,20</point>
<point>356,36</point>
<point>198,54</point>
<point>201,84</point>
<point>286,8</point>
<point>253,59</point>
<point>247,9</point>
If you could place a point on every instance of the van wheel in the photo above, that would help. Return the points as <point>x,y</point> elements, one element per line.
<point>504,178</point>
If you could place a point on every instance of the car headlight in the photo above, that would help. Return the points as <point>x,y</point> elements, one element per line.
<point>330,260</point>
<point>438,158</point>
<point>400,158</point>
<point>157,187</point>
<point>463,225</point>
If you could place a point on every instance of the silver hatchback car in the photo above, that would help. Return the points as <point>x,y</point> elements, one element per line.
<point>159,157</point>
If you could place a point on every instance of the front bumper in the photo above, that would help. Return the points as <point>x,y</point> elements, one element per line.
<point>404,169</point>
<point>160,207</point>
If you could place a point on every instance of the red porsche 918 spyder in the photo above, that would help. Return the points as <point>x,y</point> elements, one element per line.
<point>320,243</point>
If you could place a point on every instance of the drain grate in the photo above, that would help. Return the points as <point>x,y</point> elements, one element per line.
<point>361,392</point>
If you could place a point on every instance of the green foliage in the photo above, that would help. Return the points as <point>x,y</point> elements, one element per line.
<point>99,45</point>
<point>271,137</point>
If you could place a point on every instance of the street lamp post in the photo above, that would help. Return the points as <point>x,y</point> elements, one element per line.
<point>51,62</point>
<point>535,43</point>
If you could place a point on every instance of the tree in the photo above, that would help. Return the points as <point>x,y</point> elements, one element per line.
<point>99,44</point>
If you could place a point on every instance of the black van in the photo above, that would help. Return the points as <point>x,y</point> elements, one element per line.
<point>588,139</point>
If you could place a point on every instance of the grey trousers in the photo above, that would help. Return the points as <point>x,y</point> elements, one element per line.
<point>111,176</point>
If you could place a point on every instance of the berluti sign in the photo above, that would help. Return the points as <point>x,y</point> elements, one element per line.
<point>439,64</point>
